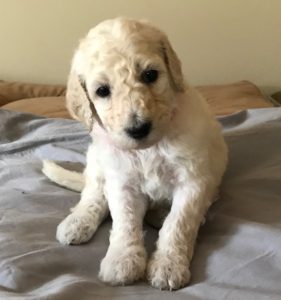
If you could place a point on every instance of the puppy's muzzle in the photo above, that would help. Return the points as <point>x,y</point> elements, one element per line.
<point>139,131</point>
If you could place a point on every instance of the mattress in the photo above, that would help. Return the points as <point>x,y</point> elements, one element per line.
<point>238,248</point>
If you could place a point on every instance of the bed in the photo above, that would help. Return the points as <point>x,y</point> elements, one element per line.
<point>238,249</point>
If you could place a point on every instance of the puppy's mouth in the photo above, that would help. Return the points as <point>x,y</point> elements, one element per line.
<point>141,135</point>
<point>125,142</point>
<point>144,144</point>
<point>139,132</point>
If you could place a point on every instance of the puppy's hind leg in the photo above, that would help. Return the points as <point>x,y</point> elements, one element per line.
<point>86,216</point>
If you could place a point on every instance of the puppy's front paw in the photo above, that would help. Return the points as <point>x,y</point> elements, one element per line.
<point>123,266</point>
<point>76,229</point>
<point>168,273</point>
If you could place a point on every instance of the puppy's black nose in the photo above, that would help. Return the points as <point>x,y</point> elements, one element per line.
<point>139,131</point>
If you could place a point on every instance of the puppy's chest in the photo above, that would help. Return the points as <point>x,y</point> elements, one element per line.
<point>157,176</point>
<point>149,171</point>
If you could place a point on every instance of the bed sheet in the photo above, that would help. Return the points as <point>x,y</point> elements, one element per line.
<point>238,252</point>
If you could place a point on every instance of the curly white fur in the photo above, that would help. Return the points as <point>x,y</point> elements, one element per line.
<point>182,160</point>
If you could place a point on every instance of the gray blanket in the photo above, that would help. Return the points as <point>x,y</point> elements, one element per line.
<point>238,253</point>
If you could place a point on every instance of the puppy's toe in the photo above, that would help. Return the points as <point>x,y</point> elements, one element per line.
<point>166,273</point>
<point>121,267</point>
<point>75,229</point>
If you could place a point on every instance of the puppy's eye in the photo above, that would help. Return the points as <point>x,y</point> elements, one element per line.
<point>149,76</point>
<point>103,91</point>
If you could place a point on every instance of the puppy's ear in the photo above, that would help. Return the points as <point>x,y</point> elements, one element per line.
<point>173,65</point>
<point>77,101</point>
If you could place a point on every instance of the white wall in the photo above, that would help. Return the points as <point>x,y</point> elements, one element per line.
<point>218,40</point>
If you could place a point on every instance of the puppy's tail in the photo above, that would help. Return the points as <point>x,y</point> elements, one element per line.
<point>70,179</point>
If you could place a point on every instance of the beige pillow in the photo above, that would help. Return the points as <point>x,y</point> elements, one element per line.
<point>12,91</point>
<point>53,107</point>
<point>223,99</point>
<point>230,98</point>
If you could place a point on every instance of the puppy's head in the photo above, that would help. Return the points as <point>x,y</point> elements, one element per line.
<point>126,76</point>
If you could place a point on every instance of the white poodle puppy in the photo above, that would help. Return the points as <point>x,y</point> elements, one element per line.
<point>154,141</point>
